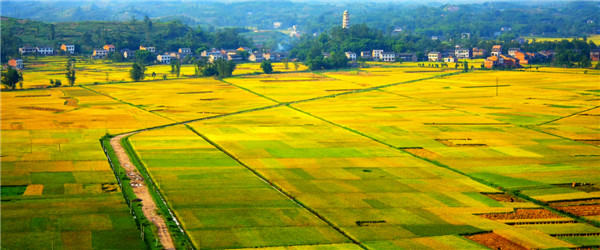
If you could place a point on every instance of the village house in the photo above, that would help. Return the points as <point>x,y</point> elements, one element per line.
<point>68,47</point>
<point>477,52</point>
<point>512,51</point>
<point>465,35</point>
<point>127,53</point>
<point>595,54</point>
<point>45,50</point>
<point>377,53</point>
<point>407,57</point>
<point>387,56</point>
<point>449,59</point>
<point>434,56</point>
<point>463,53</point>
<point>366,55</point>
<point>281,56</point>
<point>244,49</point>
<point>99,53</point>
<point>185,51</point>
<point>509,62</point>
<point>492,62</point>
<point>496,50</point>
<point>234,57</point>
<point>213,57</point>
<point>151,49</point>
<point>174,54</point>
<point>212,52</point>
<point>16,63</point>
<point>256,57</point>
<point>351,55</point>
<point>163,59</point>
<point>500,61</point>
<point>109,48</point>
<point>27,50</point>
<point>522,57</point>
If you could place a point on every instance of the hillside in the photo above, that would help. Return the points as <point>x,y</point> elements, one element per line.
<point>166,36</point>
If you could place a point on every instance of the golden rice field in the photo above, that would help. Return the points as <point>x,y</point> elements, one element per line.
<point>384,157</point>
<point>594,38</point>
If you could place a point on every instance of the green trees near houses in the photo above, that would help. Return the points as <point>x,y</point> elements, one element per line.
<point>71,72</point>
<point>266,66</point>
<point>11,77</point>
<point>137,72</point>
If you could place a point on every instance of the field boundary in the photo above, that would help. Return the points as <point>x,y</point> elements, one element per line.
<point>279,189</point>
<point>514,193</point>
<point>149,236</point>
<point>172,223</point>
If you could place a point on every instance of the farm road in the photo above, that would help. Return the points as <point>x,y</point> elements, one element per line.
<point>141,191</point>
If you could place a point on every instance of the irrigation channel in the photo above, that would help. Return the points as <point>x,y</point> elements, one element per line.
<point>150,207</point>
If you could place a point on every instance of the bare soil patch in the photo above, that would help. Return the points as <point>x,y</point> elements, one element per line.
<point>494,241</point>
<point>522,214</point>
<point>502,197</point>
<point>42,109</point>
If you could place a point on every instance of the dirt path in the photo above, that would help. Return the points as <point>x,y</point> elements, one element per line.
<point>141,191</point>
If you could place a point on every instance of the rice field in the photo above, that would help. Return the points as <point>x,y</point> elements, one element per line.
<point>55,176</point>
<point>388,156</point>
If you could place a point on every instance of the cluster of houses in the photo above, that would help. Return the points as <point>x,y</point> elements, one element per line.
<point>380,55</point>
<point>497,59</point>
<point>45,50</point>
<point>212,54</point>
<point>235,55</point>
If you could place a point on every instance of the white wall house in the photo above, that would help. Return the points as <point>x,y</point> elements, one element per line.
<point>164,59</point>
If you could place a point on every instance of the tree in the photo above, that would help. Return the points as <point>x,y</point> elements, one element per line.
<point>11,77</point>
<point>55,83</point>
<point>71,72</point>
<point>153,75</point>
<point>296,66</point>
<point>266,66</point>
<point>597,65</point>
<point>117,57</point>
<point>137,72</point>
<point>224,68</point>
<point>285,63</point>
<point>466,66</point>
<point>52,33</point>
<point>175,67</point>
<point>144,56</point>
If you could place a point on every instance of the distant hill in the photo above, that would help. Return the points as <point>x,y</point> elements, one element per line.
<point>527,18</point>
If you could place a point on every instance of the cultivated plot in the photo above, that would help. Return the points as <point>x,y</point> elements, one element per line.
<point>57,188</point>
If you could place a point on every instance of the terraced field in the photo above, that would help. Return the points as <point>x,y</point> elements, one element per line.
<point>376,158</point>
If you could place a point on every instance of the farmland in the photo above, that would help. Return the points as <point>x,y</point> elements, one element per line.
<point>389,156</point>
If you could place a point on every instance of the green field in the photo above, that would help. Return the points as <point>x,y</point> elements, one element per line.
<point>390,156</point>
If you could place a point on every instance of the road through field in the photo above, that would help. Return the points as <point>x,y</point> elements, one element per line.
<point>141,191</point>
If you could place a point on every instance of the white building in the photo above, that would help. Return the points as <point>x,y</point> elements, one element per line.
<point>256,57</point>
<point>213,57</point>
<point>434,56</point>
<point>45,50</point>
<point>463,53</point>
<point>100,53</point>
<point>377,53</point>
<point>68,47</point>
<point>388,56</point>
<point>16,63</point>
<point>151,49</point>
<point>351,55</point>
<point>164,59</point>
<point>185,51</point>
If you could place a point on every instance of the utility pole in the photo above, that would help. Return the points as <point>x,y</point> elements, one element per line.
<point>496,86</point>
